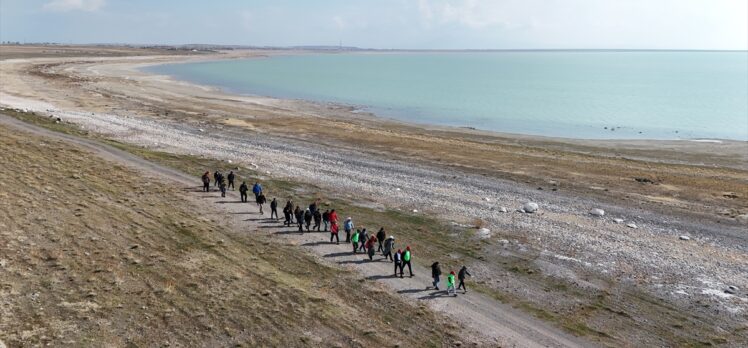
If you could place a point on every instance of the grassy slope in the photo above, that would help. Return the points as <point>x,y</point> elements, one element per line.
<point>93,253</point>
<point>610,318</point>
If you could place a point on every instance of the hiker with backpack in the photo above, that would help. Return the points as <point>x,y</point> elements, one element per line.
<point>307,218</point>
<point>243,188</point>
<point>288,213</point>
<point>363,237</point>
<point>326,218</point>
<point>274,209</point>
<point>398,259</point>
<point>206,182</point>
<point>436,272</point>
<point>389,245</point>
<point>260,201</point>
<point>407,255</point>
<point>348,227</point>
<point>461,277</point>
<point>231,177</point>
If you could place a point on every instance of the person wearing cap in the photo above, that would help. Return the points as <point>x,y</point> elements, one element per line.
<point>398,259</point>
<point>389,245</point>
<point>348,227</point>
<point>461,277</point>
<point>451,283</point>
<point>354,241</point>
<point>436,272</point>
<point>407,255</point>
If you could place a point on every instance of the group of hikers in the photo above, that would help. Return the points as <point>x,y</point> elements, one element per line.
<point>359,238</point>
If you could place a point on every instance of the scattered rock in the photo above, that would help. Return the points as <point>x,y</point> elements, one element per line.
<point>731,195</point>
<point>397,189</point>
<point>503,242</point>
<point>631,225</point>
<point>134,246</point>
<point>742,218</point>
<point>530,207</point>
<point>503,209</point>
<point>684,237</point>
<point>732,290</point>
<point>230,161</point>
<point>415,210</point>
<point>484,233</point>
<point>618,220</point>
<point>487,199</point>
<point>644,180</point>
<point>597,212</point>
<point>266,293</point>
<point>201,130</point>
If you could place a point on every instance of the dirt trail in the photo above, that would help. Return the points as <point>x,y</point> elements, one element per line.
<point>496,322</point>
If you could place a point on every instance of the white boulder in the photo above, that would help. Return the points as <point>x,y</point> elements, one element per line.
<point>631,225</point>
<point>484,233</point>
<point>503,209</point>
<point>597,212</point>
<point>684,237</point>
<point>618,220</point>
<point>530,207</point>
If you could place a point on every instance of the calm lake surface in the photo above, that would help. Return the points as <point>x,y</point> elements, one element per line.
<point>573,94</point>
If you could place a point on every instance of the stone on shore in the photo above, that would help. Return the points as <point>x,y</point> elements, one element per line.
<point>597,212</point>
<point>530,207</point>
<point>684,237</point>
<point>631,225</point>
<point>618,220</point>
<point>503,209</point>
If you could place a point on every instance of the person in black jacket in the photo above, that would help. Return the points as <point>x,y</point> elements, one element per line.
<point>206,182</point>
<point>461,277</point>
<point>260,201</point>
<point>274,209</point>
<point>299,215</point>
<point>317,220</point>
<point>308,219</point>
<point>326,218</point>
<point>288,213</point>
<point>380,238</point>
<point>231,177</point>
<point>243,188</point>
<point>436,272</point>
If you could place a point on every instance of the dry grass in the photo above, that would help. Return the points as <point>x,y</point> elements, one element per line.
<point>98,254</point>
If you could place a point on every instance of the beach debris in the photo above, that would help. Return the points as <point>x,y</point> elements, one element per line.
<point>631,225</point>
<point>484,233</point>
<point>684,237</point>
<point>530,207</point>
<point>618,220</point>
<point>503,209</point>
<point>597,212</point>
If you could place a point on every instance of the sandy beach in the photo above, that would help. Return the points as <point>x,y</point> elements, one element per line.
<point>671,243</point>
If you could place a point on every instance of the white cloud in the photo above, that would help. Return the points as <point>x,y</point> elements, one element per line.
<point>74,5</point>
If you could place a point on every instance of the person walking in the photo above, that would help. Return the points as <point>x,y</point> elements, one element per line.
<point>436,272</point>
<point>274,209</point>
<point>216,175</point>
<point>299,215</point>
<point>354,241</point>
<point>389,245</point>
<point>257,189</point>
<point>326,218</point>
<point>398,259</point>
<point>243,188</point>
<point>288,213</point>
<point>334,233</point>
<point>206,182</point>
<point>222,185</point>
<point>348,227</point>
<point>407,255</point>
<point>260,201</point>
<point>313,206</point>
<point>307,218</point>
<point>370,247</point>
<point>451,283</point>
<point>381,238</point>
<point>317,220</point>
<point>231,178</point>
<point>363,237</point>
<point>333,217</point>
<point>461,277</point>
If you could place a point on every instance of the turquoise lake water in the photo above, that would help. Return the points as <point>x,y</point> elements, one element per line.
<point>635,95</point>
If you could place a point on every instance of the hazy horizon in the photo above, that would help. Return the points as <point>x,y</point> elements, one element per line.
<point>386,24</point>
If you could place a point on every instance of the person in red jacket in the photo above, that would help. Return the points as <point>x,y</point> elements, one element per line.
<point>370,247</point>
<point>334,232</point>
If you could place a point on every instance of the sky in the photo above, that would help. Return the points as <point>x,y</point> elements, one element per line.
<point>398,24</point>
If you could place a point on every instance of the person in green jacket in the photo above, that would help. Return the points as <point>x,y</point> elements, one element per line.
<point>406,261</point>
<point>354,240</point>
<point>451,283</point>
